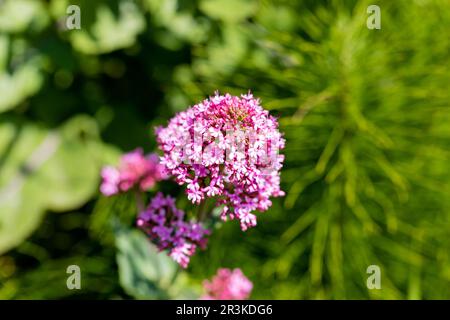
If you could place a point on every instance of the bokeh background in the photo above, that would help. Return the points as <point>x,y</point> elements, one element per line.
<point>365,113</point>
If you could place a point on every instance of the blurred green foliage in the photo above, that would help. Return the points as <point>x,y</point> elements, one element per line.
<point>365,114</point>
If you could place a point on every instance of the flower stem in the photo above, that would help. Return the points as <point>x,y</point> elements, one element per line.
<point>202,212</point>
<point>139,201</point>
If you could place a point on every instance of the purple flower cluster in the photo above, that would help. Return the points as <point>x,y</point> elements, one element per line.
<point>226,147</point>
<point>135,170</point>
<point>228,285</point>
<point>167,229</point>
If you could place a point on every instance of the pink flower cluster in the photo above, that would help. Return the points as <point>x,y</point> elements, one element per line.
<point>135,170</point>
<point>167,229</point>
<point>228,285</point>
<point>226,147</point>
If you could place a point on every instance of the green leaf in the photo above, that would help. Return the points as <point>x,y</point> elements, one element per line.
<point>178,20</point>
<point>229,10</point>
<point>22,81</point>
<point>44,170</point>
<point>18,15</point>
<point>105,26</point>
<point>146,273</point>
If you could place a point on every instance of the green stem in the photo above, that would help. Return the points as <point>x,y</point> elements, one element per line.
<point>139,201</point>
<point>204,210</point>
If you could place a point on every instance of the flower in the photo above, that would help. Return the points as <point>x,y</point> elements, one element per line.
<point>225,147</point>
<point>227,285</point>
<point>166,227</point>
<point>110,181</point>
<point>134,170</point>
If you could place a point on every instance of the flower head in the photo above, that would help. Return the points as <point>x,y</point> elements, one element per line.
<point>228,285</point>
<point>226,147</point>
<point>166,227</point>
<point>135,170</point>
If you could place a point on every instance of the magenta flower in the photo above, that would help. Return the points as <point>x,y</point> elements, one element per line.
<point>228,285</point>
<point>135,170</point>
<point>226,147</point>
<point>167,229</point>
